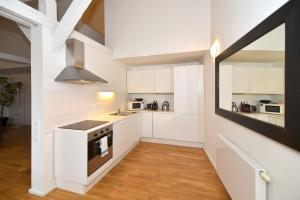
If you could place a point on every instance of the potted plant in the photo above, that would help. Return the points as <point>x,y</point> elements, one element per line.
<point>8,91</point>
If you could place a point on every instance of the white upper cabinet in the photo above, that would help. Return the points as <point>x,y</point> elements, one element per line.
<point>148,78</point>
<point>188,81</point>
<point>240,79</point>
<point>164,80</point>
<point>275,80</point>
<point>134,81</point>
<point>257,80</point>
<point>150,81</point>
<point>225,87</point>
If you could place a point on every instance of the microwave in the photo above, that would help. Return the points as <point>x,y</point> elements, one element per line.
<point>135,105</point>
<point>271,108</point>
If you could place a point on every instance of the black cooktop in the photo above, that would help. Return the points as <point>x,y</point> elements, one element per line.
<point>84,125</point>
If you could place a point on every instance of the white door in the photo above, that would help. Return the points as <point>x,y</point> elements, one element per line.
<point>187,127</point>
<point>134,81</point>
<point>164,126</point>
<point>164,80</point>
<point>257,80</point>
<point>187,86</point>
<point>240,79</point>
<point>275,80</point>
<point>225,87</point>
<point>147,124</point>
<point>148,85</point>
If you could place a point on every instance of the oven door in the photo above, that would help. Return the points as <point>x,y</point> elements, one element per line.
<point>95,160</point>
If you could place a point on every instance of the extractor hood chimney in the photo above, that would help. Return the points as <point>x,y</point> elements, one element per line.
<point>75,72</point>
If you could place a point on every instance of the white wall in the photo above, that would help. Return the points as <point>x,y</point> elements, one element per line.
<point>231,19</point>
<point>56,103</point>
<point>65,103</point>
<point>141,27</point>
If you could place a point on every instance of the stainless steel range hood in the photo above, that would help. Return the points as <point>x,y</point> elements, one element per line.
<point>75,72</point>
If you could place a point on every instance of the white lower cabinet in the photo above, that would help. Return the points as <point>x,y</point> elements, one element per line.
<point>163,125</point>
<point>187,127</point>
<point>181,127</point>
<point>126,133</point>
<point>147,124</point>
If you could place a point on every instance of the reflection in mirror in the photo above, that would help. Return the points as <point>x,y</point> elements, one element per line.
<point>251,81</point>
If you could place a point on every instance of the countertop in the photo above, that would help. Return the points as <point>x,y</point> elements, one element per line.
<point>111,119</point>
<point>261,114</point>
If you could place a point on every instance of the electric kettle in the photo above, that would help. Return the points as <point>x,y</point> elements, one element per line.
<point>165,105</point>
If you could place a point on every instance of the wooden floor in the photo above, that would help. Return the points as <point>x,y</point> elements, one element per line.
<point>14,163</point>
<point>149,172</point>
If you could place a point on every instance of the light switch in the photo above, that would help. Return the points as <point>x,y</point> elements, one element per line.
<point>36,129</point>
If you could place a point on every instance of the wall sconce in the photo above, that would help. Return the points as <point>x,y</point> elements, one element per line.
<point>106,95</point>
<point>215,49</point>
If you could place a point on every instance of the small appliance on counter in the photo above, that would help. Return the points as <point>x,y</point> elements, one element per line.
<point>154,105</point>
<point>165,106</point>
<point>245,107</point>
<point>135,105</point>
<point>149,106</point>
<point>139,99</point>
<point>271,108</point>
<point>234,107</point>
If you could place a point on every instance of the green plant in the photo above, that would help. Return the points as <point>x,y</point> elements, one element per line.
<point>8,91</point>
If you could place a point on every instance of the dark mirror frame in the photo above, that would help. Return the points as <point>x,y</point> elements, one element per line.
<point>288,135</point>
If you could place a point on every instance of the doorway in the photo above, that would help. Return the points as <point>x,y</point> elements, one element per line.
<point>15,106</point>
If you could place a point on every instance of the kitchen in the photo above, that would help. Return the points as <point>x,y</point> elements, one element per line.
<point>148,111</point>
<point>174,117</point>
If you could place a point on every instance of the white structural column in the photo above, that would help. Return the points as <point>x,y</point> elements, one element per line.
<point>67,24</point>
<point>38,52</point>
<point>48,7</point>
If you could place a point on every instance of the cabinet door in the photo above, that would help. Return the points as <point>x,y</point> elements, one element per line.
<point>133,129</point>
<point>240,79</point>
<point>164,126</point>
<point>275,80</point>
<point>257,80</point>
<point>188,80</point>
<point>225,87</point>
<point>119,139</point>
<point>164,80</point>
<point>187,128</point>
<point>147,124</point>
<point>134,81</point>
<point>148,85</point>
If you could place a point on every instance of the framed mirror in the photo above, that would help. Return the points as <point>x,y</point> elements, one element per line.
<point>258,78</point>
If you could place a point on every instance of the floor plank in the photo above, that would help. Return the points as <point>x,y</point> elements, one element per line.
<point>149,172</point>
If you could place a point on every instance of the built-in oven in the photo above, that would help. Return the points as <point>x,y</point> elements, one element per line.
<point>100,148</point>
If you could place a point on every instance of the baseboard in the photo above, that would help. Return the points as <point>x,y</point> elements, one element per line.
<point>210,158</point>
<point>173,142</point>
<point>37,193</point>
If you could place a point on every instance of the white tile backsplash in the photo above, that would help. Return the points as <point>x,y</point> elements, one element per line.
<point>253,99</point>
